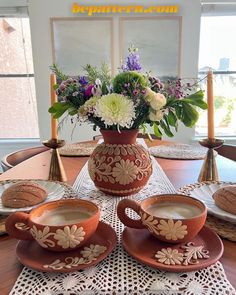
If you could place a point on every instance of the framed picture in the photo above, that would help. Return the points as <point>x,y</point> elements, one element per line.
<point>158,40</point>
<point>77,41</point>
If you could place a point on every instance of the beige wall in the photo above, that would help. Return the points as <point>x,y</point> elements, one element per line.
<point>40,13</point>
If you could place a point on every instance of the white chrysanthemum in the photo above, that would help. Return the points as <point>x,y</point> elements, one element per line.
<point>115,109</point>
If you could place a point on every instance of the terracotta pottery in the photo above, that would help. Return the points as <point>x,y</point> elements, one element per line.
<point>169,230</point>
<point>65,236</point>
<point>97,248</point>
<point>205,249</point>
<point>120,166</point>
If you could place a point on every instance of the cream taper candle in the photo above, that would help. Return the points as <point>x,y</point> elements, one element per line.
<point>210,102</point>
<point>53,81</point>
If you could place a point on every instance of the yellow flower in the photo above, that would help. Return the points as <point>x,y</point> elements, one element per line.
<point>172,230</point>
<point>125,172</point>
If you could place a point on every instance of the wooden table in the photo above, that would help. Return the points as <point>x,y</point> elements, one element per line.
<point>180,172</point>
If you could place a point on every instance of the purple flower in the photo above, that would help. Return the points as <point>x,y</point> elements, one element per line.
<point>135,92</point>
<point>62,87</point>
<point>132,61</point>
<point>88,91</point>
<point>83,81</point>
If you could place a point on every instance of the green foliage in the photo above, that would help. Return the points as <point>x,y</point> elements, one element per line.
<point>183,110</point>
<point>59,108</point>
<point>59,74</point>
<point>179,107</point>
<point>104,74</point>
<point>157,131</point>
<point>127,82</point>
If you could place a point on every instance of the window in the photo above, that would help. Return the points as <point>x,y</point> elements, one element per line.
<point>18,111</point>
<point>217,51</point>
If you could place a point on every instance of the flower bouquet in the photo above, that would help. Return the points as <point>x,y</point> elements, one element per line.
<point>120,106</point>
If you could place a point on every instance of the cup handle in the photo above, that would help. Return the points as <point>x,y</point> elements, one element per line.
<point>11,226</point>
<point>124,218</point>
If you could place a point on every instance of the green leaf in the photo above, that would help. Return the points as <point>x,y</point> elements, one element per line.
<point>190,115</point>
<point>179,111</point>
<point>72,111</point>
<point>166,128</point>
<point>172,119</point>
<point>55,87</point>
<point>157,131</point>
<point>196,96</point>
<point>199,103</point>
<point>58,109</point>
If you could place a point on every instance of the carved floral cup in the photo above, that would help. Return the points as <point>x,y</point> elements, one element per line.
<point>62,225</point>
<point>170,218</point>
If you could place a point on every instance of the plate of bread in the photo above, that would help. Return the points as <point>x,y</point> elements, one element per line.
<point>218,196</point>
<point>24,195</point>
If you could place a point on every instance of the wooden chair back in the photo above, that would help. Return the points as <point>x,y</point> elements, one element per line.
<point>17,157</point>
<point>228,151</point>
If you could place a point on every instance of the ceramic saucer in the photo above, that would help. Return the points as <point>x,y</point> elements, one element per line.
<point>205,249</point>
<point>95,250</point>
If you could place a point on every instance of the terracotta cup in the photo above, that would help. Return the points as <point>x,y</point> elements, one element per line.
<point>57,237</point>
<point>165,229</point>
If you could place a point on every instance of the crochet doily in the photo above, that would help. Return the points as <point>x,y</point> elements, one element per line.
<point>119,273</point>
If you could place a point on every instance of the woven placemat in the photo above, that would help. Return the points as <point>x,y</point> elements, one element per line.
<point>69,193</point>
<point>224,229</point>
<point>80,149</point>
<point>179,151</point>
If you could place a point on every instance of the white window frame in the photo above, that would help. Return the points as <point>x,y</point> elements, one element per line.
<point>218,8</point>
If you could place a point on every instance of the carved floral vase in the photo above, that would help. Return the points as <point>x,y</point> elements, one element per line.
<point>120,166</point>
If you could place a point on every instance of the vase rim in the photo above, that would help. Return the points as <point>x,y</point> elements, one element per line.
<point>128,130</point>
<point>122,137</point>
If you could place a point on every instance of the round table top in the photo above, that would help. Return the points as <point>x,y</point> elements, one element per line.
<point>180,173</point>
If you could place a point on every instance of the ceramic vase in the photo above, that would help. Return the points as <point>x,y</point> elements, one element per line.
<point>119,166</point>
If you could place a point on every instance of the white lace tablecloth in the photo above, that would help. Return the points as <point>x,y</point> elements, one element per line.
<point>119,273</point>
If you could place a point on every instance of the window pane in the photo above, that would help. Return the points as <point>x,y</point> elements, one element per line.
<point>217,45</point>
<point>18,116</point>
<point>225,106</point>
<point>217,50</point>
<point>15,46</point>
<point>18,112</point>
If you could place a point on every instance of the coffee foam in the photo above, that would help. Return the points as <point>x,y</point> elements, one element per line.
<point>173,210</point>
<point>62,216</point>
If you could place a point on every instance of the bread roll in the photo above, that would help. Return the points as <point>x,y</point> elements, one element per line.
<point>23,194</point>
<point>225,198</point>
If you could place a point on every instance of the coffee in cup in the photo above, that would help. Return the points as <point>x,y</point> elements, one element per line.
<point>171,218</point>
<point>57,226</point>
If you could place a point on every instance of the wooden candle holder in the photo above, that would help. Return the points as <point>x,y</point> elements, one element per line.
<point>56,171</point>
<point>209,171</point>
